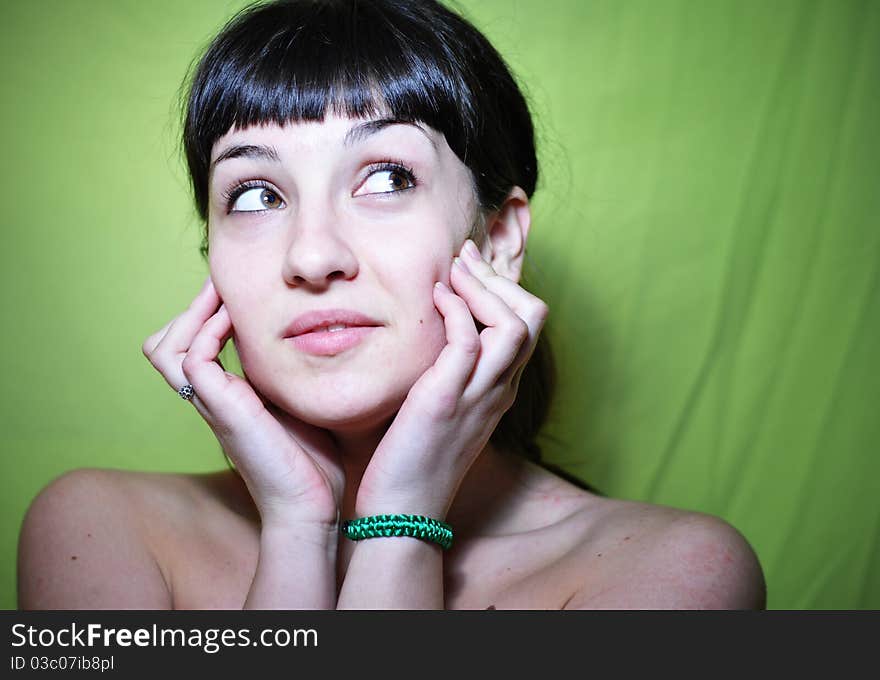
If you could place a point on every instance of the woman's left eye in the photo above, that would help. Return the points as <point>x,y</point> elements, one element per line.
<point>388,179</point>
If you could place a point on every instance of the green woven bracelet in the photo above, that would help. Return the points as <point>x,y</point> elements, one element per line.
<point>417,526</point>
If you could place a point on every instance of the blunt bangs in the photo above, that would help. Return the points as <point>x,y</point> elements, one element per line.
<point>291,62</point>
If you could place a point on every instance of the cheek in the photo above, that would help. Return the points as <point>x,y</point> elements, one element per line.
<point>241,302</point>
<point>233,274</point>
<point>224,274</point>
<point>426,322</point>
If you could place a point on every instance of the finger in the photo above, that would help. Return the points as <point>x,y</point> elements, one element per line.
<point>527,306</point>
<point>184,328</point>
<point>201,366</point>
<point>486,305</point>
<point>505,332</point>
<point>458,357</point>
<point>153,341</point>
<point>530,308</point>
<point>166,348</point>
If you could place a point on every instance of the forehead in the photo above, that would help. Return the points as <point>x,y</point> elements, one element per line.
<point>340,132</point>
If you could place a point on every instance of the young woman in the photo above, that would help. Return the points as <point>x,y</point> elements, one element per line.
<point>364,171</point>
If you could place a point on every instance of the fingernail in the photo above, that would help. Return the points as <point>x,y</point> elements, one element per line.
<point>471,249</point>
<point>459,262</point>
<point>441,286</point>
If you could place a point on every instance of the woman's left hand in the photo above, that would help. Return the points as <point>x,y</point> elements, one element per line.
<point>452,410</point>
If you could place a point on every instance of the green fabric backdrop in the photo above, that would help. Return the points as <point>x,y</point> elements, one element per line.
<point>706,233</point>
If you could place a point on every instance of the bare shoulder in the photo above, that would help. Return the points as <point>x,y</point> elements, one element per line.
<point>647,556</point>
<point>81,547</point>
<point>116,539</point>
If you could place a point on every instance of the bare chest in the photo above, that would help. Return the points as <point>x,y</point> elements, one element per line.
<point>537,570</point>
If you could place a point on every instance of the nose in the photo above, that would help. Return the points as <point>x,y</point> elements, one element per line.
<point>317,253</point>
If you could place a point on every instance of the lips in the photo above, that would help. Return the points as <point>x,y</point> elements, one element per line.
<point>321,319</point>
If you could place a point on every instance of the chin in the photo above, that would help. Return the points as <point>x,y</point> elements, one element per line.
<point>349,423</point>
<point>352,407</point>
<point>338,402</point>
<point>356,397</point>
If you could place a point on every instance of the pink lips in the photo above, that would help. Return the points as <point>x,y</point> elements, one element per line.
<point>309,331</point>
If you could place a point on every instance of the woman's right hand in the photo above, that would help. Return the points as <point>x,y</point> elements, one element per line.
<point>292,469</point>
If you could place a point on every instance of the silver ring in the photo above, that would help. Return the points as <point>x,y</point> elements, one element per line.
<point>186,392</point>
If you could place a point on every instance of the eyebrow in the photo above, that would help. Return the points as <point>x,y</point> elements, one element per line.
<point>366,129</point>
<point>356,134</point>
<point>255,151</point>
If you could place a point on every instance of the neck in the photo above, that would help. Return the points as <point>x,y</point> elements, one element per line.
<point>355,449</point>
<point>478,506</point>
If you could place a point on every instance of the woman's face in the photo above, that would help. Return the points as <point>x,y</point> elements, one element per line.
<point>342,214</point>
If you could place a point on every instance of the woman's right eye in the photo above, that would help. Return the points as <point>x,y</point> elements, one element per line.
<point>256,199</point>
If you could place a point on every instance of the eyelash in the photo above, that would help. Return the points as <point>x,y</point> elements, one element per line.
<point>398,166</point>
<point>230,196</point>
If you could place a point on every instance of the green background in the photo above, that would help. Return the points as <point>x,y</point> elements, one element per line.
<point>705,232</point>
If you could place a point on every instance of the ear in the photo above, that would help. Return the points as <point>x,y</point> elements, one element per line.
<point>507,230</point>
